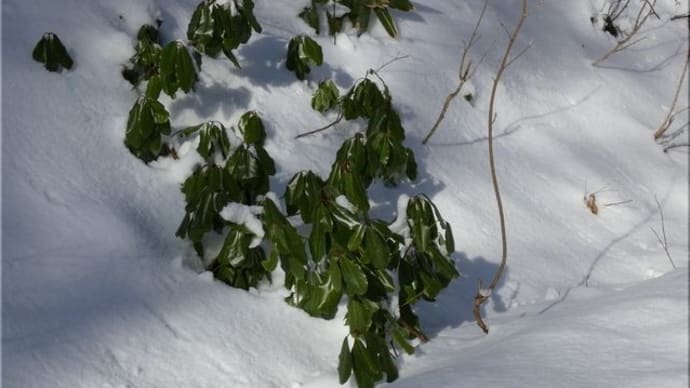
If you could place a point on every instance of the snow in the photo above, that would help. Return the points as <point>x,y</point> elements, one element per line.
<point>98,292</point>
<point>240,214</point>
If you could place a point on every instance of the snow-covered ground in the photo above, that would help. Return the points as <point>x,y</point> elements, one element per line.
<point>98,292</point>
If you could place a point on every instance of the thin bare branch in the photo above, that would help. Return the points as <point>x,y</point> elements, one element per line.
<point>465,72</point>
<point>617,203</point>
<point>666,124</point>
<point>484,294</point>
<point>336,121</point>
<point>646,10</point>
<point>398,58</point>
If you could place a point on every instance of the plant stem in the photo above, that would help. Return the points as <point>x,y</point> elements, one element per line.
<point>481,297</point>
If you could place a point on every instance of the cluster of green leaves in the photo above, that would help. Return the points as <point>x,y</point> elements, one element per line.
<point>149,121</point>
<point>177,71</point>
<point>52,53</point>
<point>144,63</point>
<point>169,69</point>
<point>302,52</point>
<point>342,253</point>
<point>215,28</point>
<point>147,125</point>
<point>348,254</point>
<point>380,153</point>
<point>241,177</point>
<point>358,13</point>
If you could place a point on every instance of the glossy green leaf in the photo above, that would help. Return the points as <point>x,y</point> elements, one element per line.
<point>213,139</point>
<point>176,69</point>
<point>400,340</point>
<point>402,5</point>
<point>321,229</point>
<point>311,16</point>
<point>303,193</point>
<point>310,51</point>
<point>357,237</point>
<point>344,363</point>
<point>325,97</point>
<point>387,21</point>
<point>148,121</point>
<point>365,366</point>
<point>376,250</point>
<point>252,128</point>
<point>353,277</point>
<point>302,53</point>
<point>359,315</point>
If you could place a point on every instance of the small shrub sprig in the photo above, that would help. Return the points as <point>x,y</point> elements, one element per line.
<point>302,52</point>
<point>382,143</point>
<point>358,13</point>
<point>144,63</point>
<point>216,28</point>
<point>52,53</point>
<point>371,262</point>
<point>241,178</point>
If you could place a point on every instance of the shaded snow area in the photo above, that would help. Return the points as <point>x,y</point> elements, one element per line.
<point>98,292</point>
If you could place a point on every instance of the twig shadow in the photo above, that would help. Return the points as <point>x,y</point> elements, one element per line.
<point>454,305</point>
<point>263,65</point>
<point>585,279</point>
<point>656,67</point>
<point>516,125</point>
<point>208,101</point>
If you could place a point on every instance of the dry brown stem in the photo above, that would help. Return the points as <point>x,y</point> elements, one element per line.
<point>483,294</point>
<point>668,120</point>
<point>629,38</point>
<point>465,72</point>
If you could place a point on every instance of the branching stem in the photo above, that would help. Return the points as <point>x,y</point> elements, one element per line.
<point>666,124</point>
<point>465,72</point>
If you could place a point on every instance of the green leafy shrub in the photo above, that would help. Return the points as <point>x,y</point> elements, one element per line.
<point>380,153</point>
<point>144,63</point>
<point>52,53</point>
<point>366,260</point>
<point>302,52</point>
<point>240,179</point>
<point>177,69</point>
<point>148,122</point>
<point>358,14</point>
<point>213,139</point>
<point>215,28</point>
<point>381,269</point>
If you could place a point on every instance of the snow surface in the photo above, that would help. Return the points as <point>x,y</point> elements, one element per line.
<point>98,292</point>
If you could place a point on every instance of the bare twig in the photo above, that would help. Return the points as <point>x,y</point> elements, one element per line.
<point>666,124</point>
<point>664,241</point>
<point>390,62</point>
<point>617,203</point>
<point>465,72</point>
<point>680,16</point>
<point>484,294</point>
<point>629,38</point>
<point>336,121</point>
